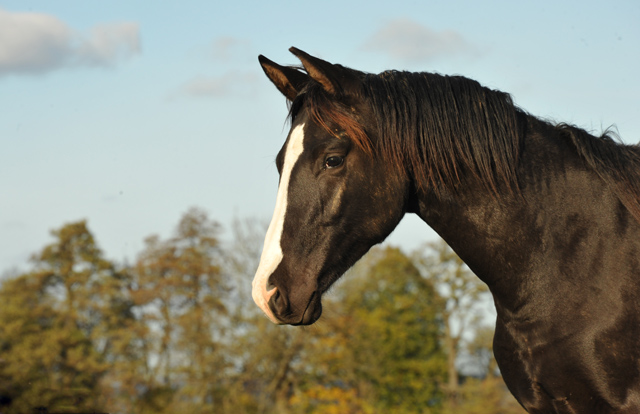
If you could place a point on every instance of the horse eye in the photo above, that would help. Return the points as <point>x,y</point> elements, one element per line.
<point>333,162</point>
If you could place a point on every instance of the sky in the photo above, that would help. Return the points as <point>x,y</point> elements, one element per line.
<point>128,113</point>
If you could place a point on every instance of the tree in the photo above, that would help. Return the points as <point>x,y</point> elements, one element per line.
<point>461,292</point>
<point>241,259</point>
<point>488,395</point>
<point>49,323</point>
<point>178,332</point>
<point>384,341</point>
<point>178,296</point>
<point>463,295</point>
<point>269,358</point>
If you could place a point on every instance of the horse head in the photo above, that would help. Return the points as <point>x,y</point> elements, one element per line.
<point>336,197</point>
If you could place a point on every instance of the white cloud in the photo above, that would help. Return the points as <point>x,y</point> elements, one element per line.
<point>109,43</point>
<point>35,43</point>
<point>412,42</point>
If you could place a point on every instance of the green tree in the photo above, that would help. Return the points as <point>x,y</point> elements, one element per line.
<point>178,332</point>
<point>461,293</point>
<point>382,337</point>
<point>122,339</point>
<point>178,295</point>
<point>49,324</point>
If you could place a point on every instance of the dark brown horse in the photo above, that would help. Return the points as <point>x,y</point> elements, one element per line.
<point>547,215</point>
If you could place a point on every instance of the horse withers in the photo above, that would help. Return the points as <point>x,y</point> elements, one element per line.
<point>547,215</point>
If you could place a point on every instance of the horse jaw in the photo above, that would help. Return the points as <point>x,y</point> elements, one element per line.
<point>272,251</point>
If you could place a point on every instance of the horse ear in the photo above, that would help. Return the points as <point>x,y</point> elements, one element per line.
<point>289,81</point>
<point>333,78</point>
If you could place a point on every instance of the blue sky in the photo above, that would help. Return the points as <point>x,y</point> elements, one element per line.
<point>127,113</point>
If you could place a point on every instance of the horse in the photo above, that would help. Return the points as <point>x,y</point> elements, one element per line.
<point>548,216</point>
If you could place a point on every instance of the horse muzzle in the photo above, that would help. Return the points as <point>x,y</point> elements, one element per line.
<point>283,308</point>
<point>285,312</point>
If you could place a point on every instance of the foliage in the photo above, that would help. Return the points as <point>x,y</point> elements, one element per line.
<point>53,333</point>
<point>487,396</point>
<point>394,333</point>
<point>176,332</point>
<point>321,399</point>
<point>460,292</point>
<point>177,288</point>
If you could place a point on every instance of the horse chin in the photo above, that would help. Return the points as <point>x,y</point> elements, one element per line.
<point>313,311</point>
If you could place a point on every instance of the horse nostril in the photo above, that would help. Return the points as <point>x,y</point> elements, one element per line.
<point>279,304</point>
<point>270,286</point>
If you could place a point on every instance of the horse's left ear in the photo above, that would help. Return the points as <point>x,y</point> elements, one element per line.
<point>335,79</point>
<point>288,80</point>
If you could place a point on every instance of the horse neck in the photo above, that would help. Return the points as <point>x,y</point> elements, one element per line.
<point>488,234</point>
<point>505,239</point>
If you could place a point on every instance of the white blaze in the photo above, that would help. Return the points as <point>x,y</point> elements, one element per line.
<point>272,251</point>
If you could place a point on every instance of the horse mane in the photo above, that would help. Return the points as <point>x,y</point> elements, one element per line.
<point>442,127</point>
<point>438,128</point>
<point>616,164</point>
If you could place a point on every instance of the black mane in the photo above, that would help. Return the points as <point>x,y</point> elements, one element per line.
<point>441,127</point>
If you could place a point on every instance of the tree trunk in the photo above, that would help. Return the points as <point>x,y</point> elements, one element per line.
<point>451,345</point>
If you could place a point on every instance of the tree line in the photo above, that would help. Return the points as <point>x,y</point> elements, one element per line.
<point>177,331</point>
